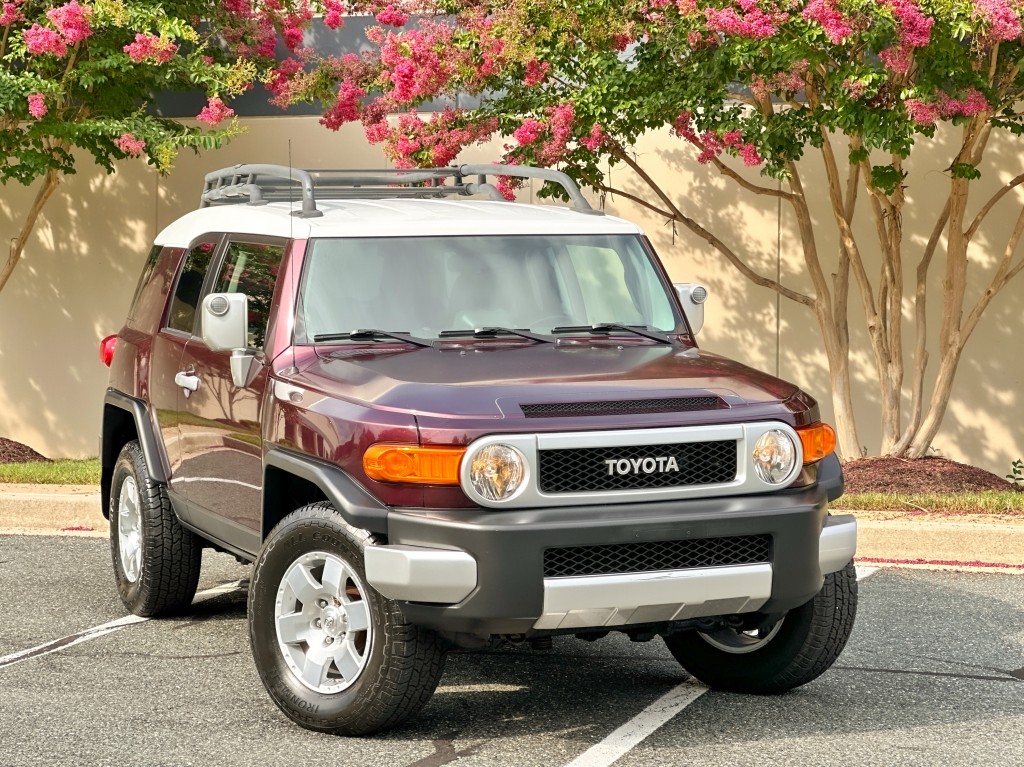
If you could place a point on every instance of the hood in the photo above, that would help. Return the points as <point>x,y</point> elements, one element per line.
<point>493,379</point>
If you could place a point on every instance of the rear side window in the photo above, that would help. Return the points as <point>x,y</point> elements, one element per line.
<point>190,286</point>
<point>251,268</point>
<point>147,273</point>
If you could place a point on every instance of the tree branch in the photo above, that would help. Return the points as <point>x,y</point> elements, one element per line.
<point>1004,273</point>
<point>750,186</point>
<point>1002,192</point>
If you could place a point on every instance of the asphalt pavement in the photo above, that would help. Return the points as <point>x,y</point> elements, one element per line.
<point>933,675</point>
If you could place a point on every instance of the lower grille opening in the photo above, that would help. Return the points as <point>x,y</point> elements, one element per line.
<point>653,556</point>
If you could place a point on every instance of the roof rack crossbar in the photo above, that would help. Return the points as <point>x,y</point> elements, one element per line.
<point>260,184</point>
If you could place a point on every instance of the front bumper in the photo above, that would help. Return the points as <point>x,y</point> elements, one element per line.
<point>482,572</point>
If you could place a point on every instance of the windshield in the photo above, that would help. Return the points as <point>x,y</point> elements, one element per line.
<point>427,285</point>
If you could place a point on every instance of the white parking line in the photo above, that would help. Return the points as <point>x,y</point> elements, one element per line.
<point>626,737</point>
<point>102,630</point>
<point>866,571</point>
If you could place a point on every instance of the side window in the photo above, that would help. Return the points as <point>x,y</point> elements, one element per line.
<point>251,268</point>
<point>147,272</point>
<point>190,285</point>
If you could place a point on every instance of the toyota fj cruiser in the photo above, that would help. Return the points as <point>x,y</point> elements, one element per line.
<point>435,421</point>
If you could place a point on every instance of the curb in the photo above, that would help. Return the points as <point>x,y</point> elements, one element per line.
<point>51,510</point>
<point>975,546</point>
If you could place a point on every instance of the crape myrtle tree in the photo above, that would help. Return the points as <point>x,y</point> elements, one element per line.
<point>853,86</point>
<point>82,76</point>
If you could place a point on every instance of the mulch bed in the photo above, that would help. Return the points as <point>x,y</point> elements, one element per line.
<point>918,476</point>
<point>15,452</point>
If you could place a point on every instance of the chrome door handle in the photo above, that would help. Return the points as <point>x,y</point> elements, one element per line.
<point>187,381</point>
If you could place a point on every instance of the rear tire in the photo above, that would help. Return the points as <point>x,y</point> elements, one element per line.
<point>334,654</point>
<point>156,560</point>
<point>800,647</point>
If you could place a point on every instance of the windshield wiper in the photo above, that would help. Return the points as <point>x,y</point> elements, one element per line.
<point>372,334</point>
<point>607,327</point>
<point>493,332</point>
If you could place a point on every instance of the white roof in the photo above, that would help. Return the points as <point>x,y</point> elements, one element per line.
<point>391,218</point>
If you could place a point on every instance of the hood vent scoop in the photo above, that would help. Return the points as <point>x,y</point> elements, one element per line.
<point>621,407</point>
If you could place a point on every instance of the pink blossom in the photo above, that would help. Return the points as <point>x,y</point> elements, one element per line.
<point>686,7</point>
<point>945,107</point>
<point>682,127</point>
<point>536,72</point>
<point>921,112</point>
<point>621,42</point>
<point>345,108</point>
<point>334,13</point>
<point>508,185</point>
<point>72,21</point>
<point>10,14</point>
<point>596,138</point>
<point>150,48</point>
<point>438,142</point>
<point>215,112</point>
<point>40,40</point>
<point>529,131</point>
<point>914,28</point>
<point>392,17</point>
<point>1001,19</point>
<point>896,58</point>
<point>854,88</point>
<point>750,155</point>
<point>420,62</point>
<point>974,102</point>
<point>831,19</point>
<point>130,145</point>
<point>786,81</point>
<point>750,21</point>
<point>37,105</point>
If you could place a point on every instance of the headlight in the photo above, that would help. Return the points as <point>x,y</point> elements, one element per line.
<point>497,472</point>
<point>774,456</point>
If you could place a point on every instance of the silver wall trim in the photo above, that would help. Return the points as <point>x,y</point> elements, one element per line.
<point>593,601</point>
<point>838,542</point>
<point>420,574</point>
<point>529,495</point>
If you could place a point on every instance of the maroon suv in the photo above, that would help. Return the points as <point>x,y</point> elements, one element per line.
<point>436,421</point>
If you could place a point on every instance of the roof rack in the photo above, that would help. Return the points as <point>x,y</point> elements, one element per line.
<point>260,184</point>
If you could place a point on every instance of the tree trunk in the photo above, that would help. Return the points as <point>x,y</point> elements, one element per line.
<point>50,183</point>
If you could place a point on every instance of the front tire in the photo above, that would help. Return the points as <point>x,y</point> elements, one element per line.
<point>334,654</point>
<point>156,560</point>
<point>798,648</point>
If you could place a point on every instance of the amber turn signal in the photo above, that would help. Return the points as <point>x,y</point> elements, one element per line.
<point>423,465</point>
<point>818,440</point>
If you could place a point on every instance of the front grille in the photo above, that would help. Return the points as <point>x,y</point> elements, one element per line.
<point>653,556</point>
<point>621,407</point>
<point>583,470</point>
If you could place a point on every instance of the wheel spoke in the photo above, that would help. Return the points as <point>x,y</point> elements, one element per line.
<point>347,659</point>
<point>334,576</point>
<point>302,584</point>
<point>293,628</point>
<point>314,669</point>
<point>358,616</point>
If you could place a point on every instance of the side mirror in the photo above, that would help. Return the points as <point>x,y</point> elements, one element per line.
<point>692,296</point>
<point>225,327</point>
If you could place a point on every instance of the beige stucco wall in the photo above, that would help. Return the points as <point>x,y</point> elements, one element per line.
<point>81,266</point>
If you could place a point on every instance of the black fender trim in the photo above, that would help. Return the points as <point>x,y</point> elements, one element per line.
<point>830,477</point>
<point>352,501</point>
<point>156,461</point>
